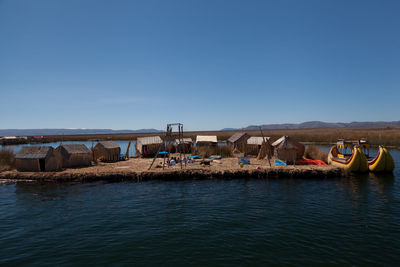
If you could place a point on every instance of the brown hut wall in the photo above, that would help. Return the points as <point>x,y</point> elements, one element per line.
<point>76,160</point>
<point>288,155</point>
<point>204,144</point>
<point>113,154</point>
<point>184,148</point>
<point>106,154</point>
<point>252,149</point>
<point>152,149</point>
<point>171,148</point>
<point>99,153</point>
<point>63,152</point>
<point>27,165</point>
<point>239,144</point>
<point>137,152</point>
<point>54,162</point>
<point>300,151</point>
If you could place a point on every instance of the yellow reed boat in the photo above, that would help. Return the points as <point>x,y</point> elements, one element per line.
<point>383,162</point>
<point>348,154</point>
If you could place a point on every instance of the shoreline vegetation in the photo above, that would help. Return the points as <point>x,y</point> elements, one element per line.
<point>315,153</point>
<point>136,169</point>
<point>387,136</point>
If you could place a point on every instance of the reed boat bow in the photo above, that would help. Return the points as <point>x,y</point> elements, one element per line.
<point>383,162</point>
<point>356,162</point>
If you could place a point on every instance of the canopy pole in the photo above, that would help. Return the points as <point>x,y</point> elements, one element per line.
<point>267,151</point>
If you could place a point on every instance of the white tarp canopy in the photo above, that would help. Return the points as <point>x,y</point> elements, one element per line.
<point>256,140</point>
<point>206,138</point>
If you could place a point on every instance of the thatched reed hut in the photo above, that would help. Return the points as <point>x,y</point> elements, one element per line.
<point>106,151</point>
<point>184,146</point>
<point>254,145</point>
<point>38,158</point>
<point>238,141</point>
<point>288,149</point>
<point>147,146</point>
<point>206,140</point>
<point>75,155</point>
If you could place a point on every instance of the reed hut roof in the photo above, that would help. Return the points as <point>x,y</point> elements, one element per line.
<point>257,140</point>
<point>149,140</point>
<point>33,152</point>
<point>286,145</point>
<point>206,138</point>
<point>109,144</point>
<point>280,140</point>
<point>286,142</point>
<point>76,149</point>
<point>236,137</point>
<point>184,140</point>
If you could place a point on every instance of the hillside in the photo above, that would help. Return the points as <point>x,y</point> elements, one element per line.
<point>319,124</point>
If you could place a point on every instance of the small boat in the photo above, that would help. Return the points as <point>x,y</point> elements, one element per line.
<point>356,161</point>
<point>383,162</point>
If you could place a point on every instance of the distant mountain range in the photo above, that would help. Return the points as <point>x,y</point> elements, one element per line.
<point>36,132</point>
<point>304,125</point>
<point>318,124</point>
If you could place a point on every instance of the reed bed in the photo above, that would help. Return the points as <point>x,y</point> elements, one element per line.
<point>388,136</point>
<point>7,160</point>
<point>313,152</point>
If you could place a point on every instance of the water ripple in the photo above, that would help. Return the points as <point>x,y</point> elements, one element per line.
<point>285,222</point>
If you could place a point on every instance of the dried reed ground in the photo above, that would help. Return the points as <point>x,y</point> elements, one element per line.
<point>136,168</point>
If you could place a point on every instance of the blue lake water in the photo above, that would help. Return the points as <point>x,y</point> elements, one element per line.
<point>353,220</point>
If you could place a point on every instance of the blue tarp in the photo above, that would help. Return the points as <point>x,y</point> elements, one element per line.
<point>244,160</point>
<point>278,162</point>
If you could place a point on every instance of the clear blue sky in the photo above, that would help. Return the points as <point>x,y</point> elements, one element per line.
<point>208,64</point>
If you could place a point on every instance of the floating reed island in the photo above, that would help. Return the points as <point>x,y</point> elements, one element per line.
<point>171,158</point>
<point>136,169</point>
